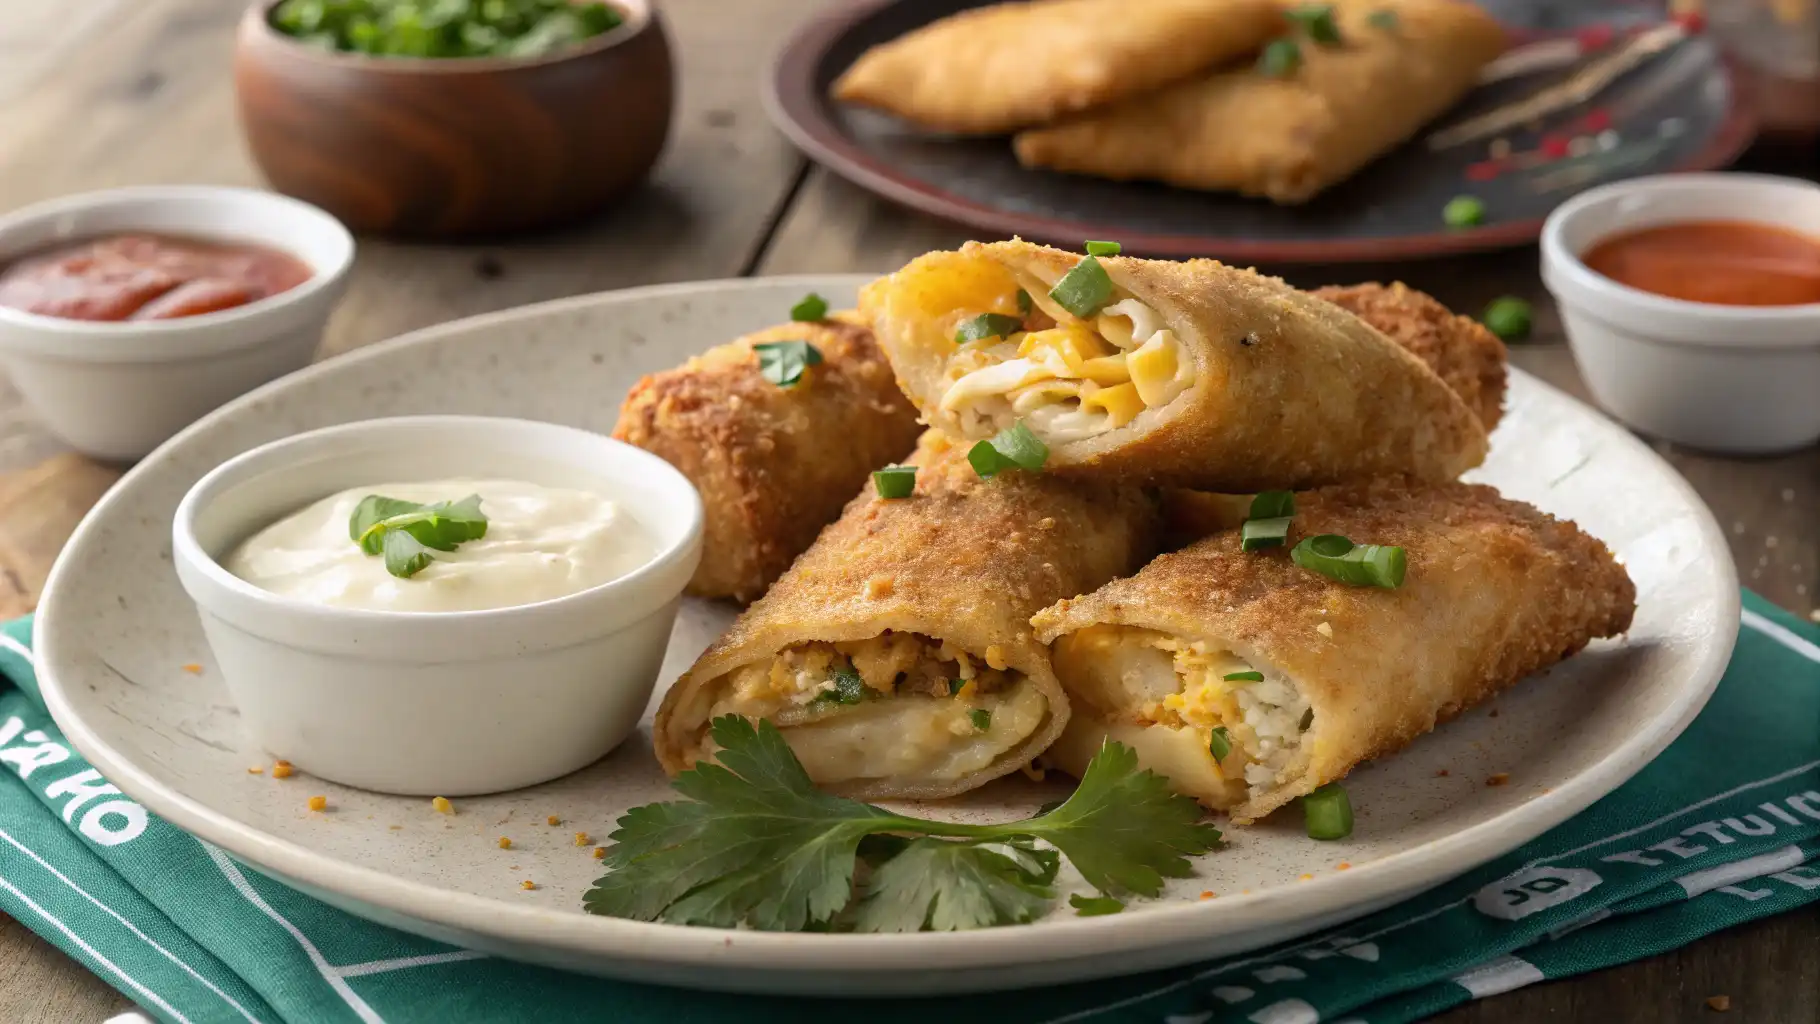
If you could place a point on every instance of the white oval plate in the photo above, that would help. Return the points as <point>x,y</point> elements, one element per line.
<point>115,632</point>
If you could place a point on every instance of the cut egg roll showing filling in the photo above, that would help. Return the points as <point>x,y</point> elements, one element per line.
<point>1194,374</point>
<point>896,655</point>
<point>1250,680</point>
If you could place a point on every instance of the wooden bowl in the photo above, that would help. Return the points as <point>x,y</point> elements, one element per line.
<point>454,147</point>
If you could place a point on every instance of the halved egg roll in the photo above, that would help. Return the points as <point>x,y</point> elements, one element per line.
<point>774,464</point>
<point>896,656</point>
<point>1192,374</point>
<point>1304,677</point>
<point>1327,111</point>
<point>1003,67</point>
<point>1468,358</point>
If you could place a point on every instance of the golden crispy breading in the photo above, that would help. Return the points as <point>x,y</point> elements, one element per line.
<point>1288,391</point>
<point>999,68</point>
<point>962,560</point>
<point>1286,138</point>
<point>1459,349</point>
<point>773,464</point>
<point>1495,591</point>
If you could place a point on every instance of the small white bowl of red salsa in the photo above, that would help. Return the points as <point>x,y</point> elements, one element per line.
<point>127,314</point>
<point>1692,304</point>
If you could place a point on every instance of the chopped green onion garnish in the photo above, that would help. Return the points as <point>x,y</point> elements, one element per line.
<point>1015,447</point>
<point>1463,212</point>
<point>1219,744</point>
<point>1083,290</point>
<point>1317,21</point>
<point>1280,58</point>
<point>895,481</point>
<point>1256,534</point>
<point>813,307</point>
<point>954,686</point>
<point>783,362</point>
<point>1364,565</point>
<point>1253,676</point>
<point>1508,318</point>
<point>981,719</point>
<point>1103,248</point>
<point>1327,813</point>
<point>848,689</point>
<point>1385,19</point>
<point>1094,906</point>
<point>1024,303</point>
<point>988,325</point>
<point>1272,504</point>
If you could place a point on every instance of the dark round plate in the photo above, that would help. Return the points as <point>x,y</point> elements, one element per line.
<point>1683,110</point>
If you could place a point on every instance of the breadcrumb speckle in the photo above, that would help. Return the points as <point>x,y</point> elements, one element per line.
<point>442,805</point>
<point>880,586</point>
<point>1499,779</point>
<point>527,884</point>
<point>193,668</point>
<point>1494,713</point>
<point>553,820</point>
<point>283,770</point>
<point>600,853</point>
<point>1343,866</point>
<point>257,769</point>
<point>1719,1003</point>
<point>581,839</point>
<point>1304,878</point>
<point>1207,894</point>
<point>395,827</point>
<point>1325,629</point>
<point>319,803</point>
<point>505,843</point>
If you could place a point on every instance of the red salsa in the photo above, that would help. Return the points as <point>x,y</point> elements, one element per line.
<point>146,277</point>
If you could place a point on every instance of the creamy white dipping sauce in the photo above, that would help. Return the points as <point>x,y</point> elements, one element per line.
<point>541,543</point>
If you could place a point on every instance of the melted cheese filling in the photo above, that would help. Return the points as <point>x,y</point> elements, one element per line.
<point>928,711</point>
<point>1165,696</point>
<point>1072,381</point>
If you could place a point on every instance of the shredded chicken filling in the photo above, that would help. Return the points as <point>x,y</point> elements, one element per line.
<point>898,705</point>
<point>1151,680</point>
<point>1074,380</point>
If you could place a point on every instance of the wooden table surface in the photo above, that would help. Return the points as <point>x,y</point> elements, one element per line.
<point>99,93</point>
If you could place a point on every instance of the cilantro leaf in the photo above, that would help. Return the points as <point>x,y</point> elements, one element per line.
<point>811,308</point>
<point>1094,906</point>
<point>377,520</point>
<point>405,556</point>
<point>849,689</point>
<point>784,362</point>
<point>1124,829</point>
<point>943,885</point>
<point>757,845</point>
<point>371,510</point>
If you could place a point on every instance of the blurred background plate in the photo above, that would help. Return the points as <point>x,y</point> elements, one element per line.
<point>1682,110</point>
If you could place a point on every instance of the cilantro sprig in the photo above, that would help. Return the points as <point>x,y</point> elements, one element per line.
<point>406,532</point>
<point>757,845</point>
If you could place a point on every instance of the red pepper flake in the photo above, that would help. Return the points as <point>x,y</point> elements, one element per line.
<point>1594,37</point>
<point>1597,120</point>
<point>1484,170</point>
<point>1342,866</point>
<point>1691,22</point>
<point>1499,779</point>
<point>193,668</point>
<point>1555,146</point>
<point>1442,774</point>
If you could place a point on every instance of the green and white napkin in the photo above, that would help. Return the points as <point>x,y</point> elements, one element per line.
<point>1722,828</point>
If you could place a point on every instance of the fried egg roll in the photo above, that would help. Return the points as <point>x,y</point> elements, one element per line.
<point>999,68</point>
<point>1190,374</point>
<point>1468,358</point>
<point>1287,136</point>
<point>896,656</point>
<point>774,464</point>
<point>1304,677</point>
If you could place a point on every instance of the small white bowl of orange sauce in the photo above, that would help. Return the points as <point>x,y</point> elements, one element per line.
<point>127,314</point>
<point>1692,304</point>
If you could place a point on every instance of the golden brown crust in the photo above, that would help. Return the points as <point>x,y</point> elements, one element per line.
<point>1459,349</point>
<point>1290,391</point>
<point>998,68</point>
<point>773,464</point>
<point>963,560</point>
<point>1496,590</point>
<point>1286,138</point>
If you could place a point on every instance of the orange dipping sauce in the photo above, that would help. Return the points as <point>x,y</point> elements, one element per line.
<point>147,277</point>
<point>1723,262</point>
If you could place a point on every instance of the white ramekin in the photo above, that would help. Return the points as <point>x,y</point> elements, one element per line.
<point>1740,379</point>
<point>435,703</point>
<point>118,390</point>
